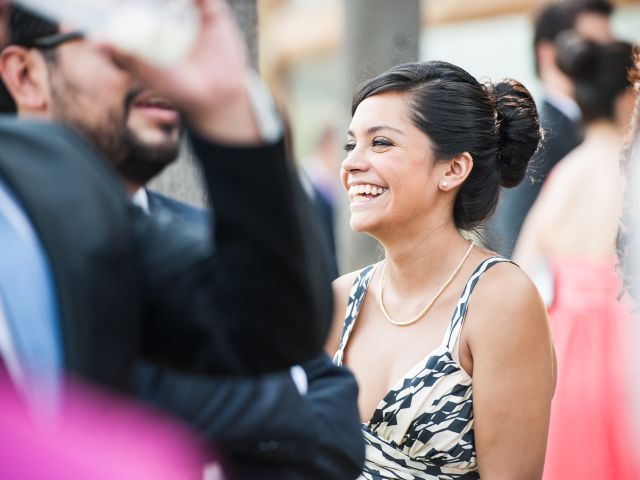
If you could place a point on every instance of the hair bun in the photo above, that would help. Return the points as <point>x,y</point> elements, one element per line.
<point>576,56</point>
<point>519,130</point>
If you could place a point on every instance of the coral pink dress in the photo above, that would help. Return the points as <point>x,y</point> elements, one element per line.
<point>589,436</point>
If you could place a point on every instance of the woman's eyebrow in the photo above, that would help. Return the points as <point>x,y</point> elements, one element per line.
<point>377,128</point>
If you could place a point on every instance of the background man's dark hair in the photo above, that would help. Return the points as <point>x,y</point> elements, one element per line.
<point>604,7</point>
<point>555,18</point>
<point>24,28</point>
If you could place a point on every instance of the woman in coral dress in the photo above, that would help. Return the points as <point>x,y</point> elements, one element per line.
<point>568,244</point>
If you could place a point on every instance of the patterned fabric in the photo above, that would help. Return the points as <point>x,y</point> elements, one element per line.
<point>423,427</point>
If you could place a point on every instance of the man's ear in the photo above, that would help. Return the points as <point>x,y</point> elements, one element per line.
<point>24,73</point>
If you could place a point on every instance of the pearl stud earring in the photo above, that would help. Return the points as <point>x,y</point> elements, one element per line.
<point>444,184</point>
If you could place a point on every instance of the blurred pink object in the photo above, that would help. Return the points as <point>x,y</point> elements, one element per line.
<point>97,437</point>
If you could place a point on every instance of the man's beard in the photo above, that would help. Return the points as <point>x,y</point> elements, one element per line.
<point>134,160</point>
<point>138,162</point>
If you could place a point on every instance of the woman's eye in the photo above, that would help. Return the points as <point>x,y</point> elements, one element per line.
<point>349,146</point>
<point>381,143</point>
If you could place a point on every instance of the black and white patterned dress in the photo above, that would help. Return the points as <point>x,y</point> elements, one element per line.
<point>423,427</point>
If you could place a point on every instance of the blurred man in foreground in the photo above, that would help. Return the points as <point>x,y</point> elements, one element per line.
<point>137,130</point>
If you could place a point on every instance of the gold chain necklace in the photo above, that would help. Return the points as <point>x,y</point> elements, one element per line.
<point>424,311</point>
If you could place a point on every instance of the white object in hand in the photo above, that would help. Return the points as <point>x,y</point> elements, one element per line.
<point>159,31</point>
<point>162,33</point>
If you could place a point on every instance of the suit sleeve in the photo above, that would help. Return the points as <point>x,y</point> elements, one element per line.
<point>263,423</point>
<point>263,301</point>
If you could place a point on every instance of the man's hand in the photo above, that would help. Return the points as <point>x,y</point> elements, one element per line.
<point>210,85</point>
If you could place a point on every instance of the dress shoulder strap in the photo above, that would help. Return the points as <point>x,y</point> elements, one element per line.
<point>460,312</point>
<point>356,297</point>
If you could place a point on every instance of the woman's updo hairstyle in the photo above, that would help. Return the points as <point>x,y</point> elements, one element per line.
<point>599,72</point>
<point>496,123</point>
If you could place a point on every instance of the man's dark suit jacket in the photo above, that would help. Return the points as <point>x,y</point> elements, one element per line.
<point>561,135</point>
<point>131,287</point>
<point>262,424</point>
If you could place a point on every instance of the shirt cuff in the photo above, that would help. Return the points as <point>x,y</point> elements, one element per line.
<point>265,111</point>
<point>299,377</point>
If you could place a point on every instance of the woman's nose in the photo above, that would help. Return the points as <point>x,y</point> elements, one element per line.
<point>355,161</point>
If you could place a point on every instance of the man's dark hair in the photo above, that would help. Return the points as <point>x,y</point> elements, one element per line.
<point>24,28</point>
<point>555,18</point>
<point>603,7</point>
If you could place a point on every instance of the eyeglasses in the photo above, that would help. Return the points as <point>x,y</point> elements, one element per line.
<point>55,40</point>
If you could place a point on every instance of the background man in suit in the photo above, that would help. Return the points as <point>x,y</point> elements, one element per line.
<point>560,116</point>
<point>256,420</point>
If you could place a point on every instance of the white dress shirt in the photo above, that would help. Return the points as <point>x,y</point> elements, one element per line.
<point>141,199</point>
<point>565,104</point>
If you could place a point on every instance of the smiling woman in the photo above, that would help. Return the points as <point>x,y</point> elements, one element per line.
<point>446,391</point>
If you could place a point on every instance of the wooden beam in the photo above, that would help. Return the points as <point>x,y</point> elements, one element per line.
<point>290,33</point>
<point>438,12</point>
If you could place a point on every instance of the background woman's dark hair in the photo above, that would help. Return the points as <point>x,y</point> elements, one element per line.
<point>598,71</point>
<point>496,123</point>
<point>24,28</point>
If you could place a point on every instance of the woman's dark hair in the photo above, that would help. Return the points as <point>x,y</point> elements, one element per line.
<point>599,72</point>
<point>497,124</point>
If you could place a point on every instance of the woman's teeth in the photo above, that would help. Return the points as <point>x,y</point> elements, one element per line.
<point>365,191</point>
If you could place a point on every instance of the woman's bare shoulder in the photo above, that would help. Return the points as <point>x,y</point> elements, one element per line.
<point>506,284</point>
<point>506,300</point>
<point>577,166</point>
<point>508,324</point>
<point>341,289</point>
<point>342,285</point>
<point>513,365</point>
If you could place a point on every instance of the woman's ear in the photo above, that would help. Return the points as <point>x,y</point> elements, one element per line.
<point>456,171</point>
<point>24,73</point>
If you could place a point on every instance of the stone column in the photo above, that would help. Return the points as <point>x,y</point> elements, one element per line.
<point>378,35</point>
